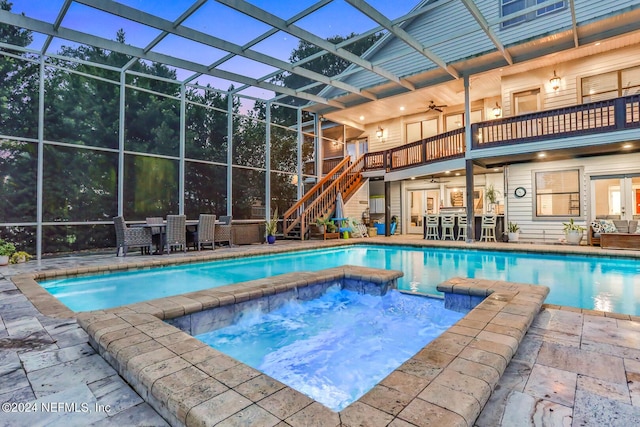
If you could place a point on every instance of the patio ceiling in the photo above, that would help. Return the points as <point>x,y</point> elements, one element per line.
<point>247,43</point>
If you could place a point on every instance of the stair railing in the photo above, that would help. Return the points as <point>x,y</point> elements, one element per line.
<point>347,184</point>
<point>291,217</point>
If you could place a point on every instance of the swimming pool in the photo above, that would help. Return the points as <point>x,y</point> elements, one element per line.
<point>608,284</point>
<point>336,347</point>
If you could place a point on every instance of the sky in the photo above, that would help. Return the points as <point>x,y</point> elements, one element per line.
<point>216,19</point>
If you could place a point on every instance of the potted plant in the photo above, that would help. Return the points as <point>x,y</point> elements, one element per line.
<point>6,250</point>
<point>513,231</point>
<point>492,195</point>
<point>19,257</point>
<point>573,232</point>
<point>324,223</point>
<point>271,227</point>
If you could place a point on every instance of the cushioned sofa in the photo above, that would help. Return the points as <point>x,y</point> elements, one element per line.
<point>615,234</point>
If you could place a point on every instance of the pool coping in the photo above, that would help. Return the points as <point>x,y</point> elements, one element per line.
<point>448,382</point>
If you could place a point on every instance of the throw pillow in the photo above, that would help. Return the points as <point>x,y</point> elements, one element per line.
<point>607,226</point>
<point>595,225</point>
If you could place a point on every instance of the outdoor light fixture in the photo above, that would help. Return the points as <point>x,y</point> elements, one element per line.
<point>497,111</point>
<point>555,81</point>
<point>379,132</point>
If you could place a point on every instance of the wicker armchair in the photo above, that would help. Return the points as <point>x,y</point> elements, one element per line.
<point>206,231</point>
<point>176,234</point>
<point>131,237</point>
<point>223,230</point>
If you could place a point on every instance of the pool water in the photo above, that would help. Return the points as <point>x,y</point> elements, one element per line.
<point>337,347</point>
<point>609,284</point>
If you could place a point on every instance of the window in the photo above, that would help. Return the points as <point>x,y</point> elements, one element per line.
<point>611,85</point>
<point>557,193</point>
<point>420,130</point>
<point>512,7</point>
<point>527,101</point>
<point>456,120</point>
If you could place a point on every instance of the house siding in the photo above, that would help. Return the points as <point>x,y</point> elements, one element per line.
<point>520,210</point>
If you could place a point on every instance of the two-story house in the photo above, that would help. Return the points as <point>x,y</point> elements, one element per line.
<point>539,100</point>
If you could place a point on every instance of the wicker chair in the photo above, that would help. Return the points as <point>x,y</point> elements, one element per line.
<point>156,232</point>
<point>223,230</point>
<point>131,237</point>
<point>206,231</point>
<point>176,234</point>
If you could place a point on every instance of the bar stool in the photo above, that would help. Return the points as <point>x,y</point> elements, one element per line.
<point>448,222</point>
<point>462,227</point>
<point>488,228</point>
<point>433,221</point>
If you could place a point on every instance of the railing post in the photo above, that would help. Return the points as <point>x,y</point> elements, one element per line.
<point>620,112</point>
<point>474,135</point>
<point>385,160</point>
<point>423,147</point>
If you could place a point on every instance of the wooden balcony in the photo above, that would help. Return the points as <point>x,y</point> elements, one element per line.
<point>592,118</point>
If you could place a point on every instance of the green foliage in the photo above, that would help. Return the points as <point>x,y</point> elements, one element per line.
<point>271,226</point>
<point>491,193</point>
<point>571,226</point>
<point>81,111</point>
<point>19,257</point>
<point>6,248</point>
<point>328,64</point>
<point>328,223</point>
<point>513,227</point>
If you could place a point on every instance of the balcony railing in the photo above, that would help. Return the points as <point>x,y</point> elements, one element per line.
<point>595,117</point>
<point>449,145</point>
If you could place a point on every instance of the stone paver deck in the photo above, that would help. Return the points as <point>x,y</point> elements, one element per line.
<point>573,367</point>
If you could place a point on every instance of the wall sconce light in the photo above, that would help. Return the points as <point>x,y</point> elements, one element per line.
<point>554,81</point>
<point>379,132</point>
<point>497,111</point>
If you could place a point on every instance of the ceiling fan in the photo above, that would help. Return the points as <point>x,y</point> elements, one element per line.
<point>436,180</point>
<point>433,106</point>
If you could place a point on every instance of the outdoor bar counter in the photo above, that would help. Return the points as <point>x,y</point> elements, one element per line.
<point>477,223</point>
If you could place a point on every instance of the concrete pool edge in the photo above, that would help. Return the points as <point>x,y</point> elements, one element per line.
<point>449,380</point>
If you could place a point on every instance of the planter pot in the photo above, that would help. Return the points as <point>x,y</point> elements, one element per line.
<point>321,229</point>
<point>514,237</point>
<point>271,240</point>
<point>573,237</point>
<point>4,259</point>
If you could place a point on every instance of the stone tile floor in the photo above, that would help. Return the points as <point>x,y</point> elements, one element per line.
<point>573,367</point>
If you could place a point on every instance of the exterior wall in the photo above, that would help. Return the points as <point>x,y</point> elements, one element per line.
<point>520,210</point>
<point>571,73</point>
<point>358,202</point>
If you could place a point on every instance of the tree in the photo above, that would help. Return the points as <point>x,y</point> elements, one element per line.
<point>328,64</point>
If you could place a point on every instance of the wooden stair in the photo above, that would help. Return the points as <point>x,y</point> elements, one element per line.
<point>321,199</point>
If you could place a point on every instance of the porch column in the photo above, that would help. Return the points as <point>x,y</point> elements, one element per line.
<point>387,208</point>
<point>468,163</point>
<point>469,202</point>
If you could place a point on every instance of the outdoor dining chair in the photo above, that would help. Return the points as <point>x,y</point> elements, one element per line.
<point>205,235</point>
<point>156,232</point>
<point>131,237</point>
<point>176,234</point>
<point>223,230</point>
